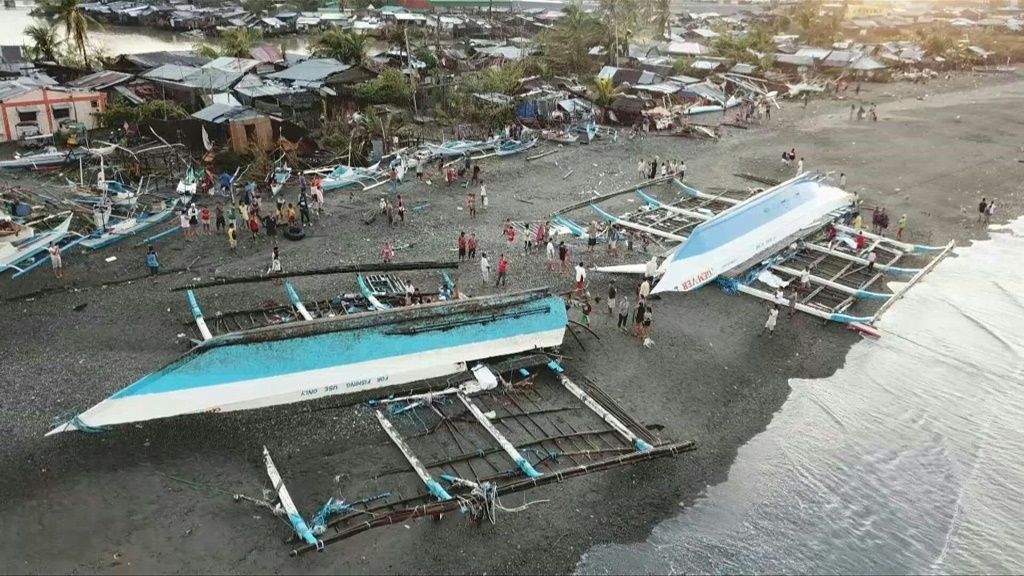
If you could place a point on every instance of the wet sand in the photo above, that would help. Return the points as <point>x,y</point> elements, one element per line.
<point>104,503</point>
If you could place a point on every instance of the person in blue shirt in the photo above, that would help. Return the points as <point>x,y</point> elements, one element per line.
<point>152,262</point>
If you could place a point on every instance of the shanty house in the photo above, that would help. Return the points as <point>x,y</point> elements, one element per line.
<point>185,84</point>
<point>28,109</point>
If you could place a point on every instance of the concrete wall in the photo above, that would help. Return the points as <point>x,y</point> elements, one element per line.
<point>51,107</point>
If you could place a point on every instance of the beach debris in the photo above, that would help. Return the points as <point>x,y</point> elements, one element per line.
<point>80,307</point>
<point>110,259</point>
<point>567,174</point>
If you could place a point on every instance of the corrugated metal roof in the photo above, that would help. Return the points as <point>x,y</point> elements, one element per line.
<point>220,113</point>
<point>13,88</point>
<point>312,71</point>
<point>229,64</point>
<point>156,59</point>
<point>100,80</point>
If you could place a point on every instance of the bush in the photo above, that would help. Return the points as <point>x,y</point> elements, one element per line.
<point>391,87</point>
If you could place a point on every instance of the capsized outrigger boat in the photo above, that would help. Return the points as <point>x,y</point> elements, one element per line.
<point>343,355</point>
<point>344,176</point>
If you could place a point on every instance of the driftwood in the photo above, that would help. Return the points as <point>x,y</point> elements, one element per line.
<point>541,155</point>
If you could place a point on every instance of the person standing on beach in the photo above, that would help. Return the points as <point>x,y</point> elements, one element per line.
<point>471,203</point>
<point>204,216</point>
<point>56,261</point>
<point>653,169</point>
<point>388,252</point>
<point>871,258</point>
<point>585,309</point>
<point>563,256</point>
<point>471,245</point>
<point>483,196</point>
<point>990,211</point>
<point>901,225</point>
<point>800,166</point>
<point>254,226</point>
<point>581,279</point>
<point>638,316</point>
<point>640,168</point>
<point>644,290</point>
<point>485,268</point>
<point>842,180</point>
<point>152,262</point>
<point>219,224</point>
<point>550,254</point>
<point>982,208</point>
<point>591,237</point>
<point>502,272</point>
<point>623,312</point>
<point>275,262</point>
<point>232,238</point>
<point>611,297</point>
<point>462,246</point>
<point>769,325</point>
<point>853,110</point>
<point>794,295</point>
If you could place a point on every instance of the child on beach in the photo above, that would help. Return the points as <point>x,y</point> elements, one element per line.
<point>232,239</point>
<point>388,253</point>
<point>769,325</point>
<point>152,262</point>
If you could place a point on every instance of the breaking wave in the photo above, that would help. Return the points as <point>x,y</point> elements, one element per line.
<point>907,460</point>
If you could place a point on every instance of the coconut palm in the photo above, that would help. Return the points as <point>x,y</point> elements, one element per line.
<point>620,18</point>
<point>45,44</point>
<point>567,45</point>
<point>348,47</point>
<point>69,15</point>
<point>662,17</point>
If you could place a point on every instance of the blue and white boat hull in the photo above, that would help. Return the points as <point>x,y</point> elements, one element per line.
<point>346,355</point>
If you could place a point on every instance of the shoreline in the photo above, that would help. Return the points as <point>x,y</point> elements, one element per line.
<point>708,377</point>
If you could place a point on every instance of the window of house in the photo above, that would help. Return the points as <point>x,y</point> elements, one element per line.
<point>27,115</point>
<point>61,113</point>
<point>94,103</point>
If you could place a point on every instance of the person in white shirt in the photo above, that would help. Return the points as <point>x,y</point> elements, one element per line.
<point>769,325</point>
<point>651,268</point>
<point>485,268</point>
<point>581,278</point>
<point>805,279</point>
<point>644,291</point>
<point>550,250</point>
<point>800,167</point>
<point>55,260</point>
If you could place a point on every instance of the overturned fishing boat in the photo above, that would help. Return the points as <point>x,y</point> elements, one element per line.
<point>29,242</point>
<point>789,245</point>
<point>343,355</point>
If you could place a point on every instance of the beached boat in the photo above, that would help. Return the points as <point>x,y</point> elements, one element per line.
<point>13,253</point>
<point>459,148</point>
<point>510,147</point>
<point>344,176</point>
<point>344,355</point>
<point>732,102</point>
<point>188,186</point>
<point>127,227</point>
<point>750,230</point>
<point>11,231</point>
<point>560,136</point>
<point>51,157</point>
<point>280,176</point>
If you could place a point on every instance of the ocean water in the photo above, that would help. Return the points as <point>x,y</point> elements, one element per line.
<point>910,459</point>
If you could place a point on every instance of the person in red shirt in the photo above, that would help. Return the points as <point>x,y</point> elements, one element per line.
<point>204,215</point>
<point>502,271</point>
<point>861,241</point>
<point>254,225</point>
<point>462,246</point>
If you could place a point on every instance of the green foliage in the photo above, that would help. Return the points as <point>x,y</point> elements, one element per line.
<point>258,7</point>
<point>342,135</point>
<point>425,55</point>
<point>305,5</point>
<point>117,113</point>
<point>238,42</point>
<point>69,16</point>
<point>683,64</point>
<point>348,47</point>
<point>566,46</point>
<point>743,48</point>
<point>620,19</point>
<point>816,28</point>
<point>391,87</point>
<point>45,44</point>
<point>501,79</point>
<point>206,50</point>
<point>603,92</point>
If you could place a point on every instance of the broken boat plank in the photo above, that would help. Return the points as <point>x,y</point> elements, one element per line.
<point>541,155</point>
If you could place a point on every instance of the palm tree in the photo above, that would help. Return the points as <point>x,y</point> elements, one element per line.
<point>45,43</point>
<point>663,17</point>
<point>620,18</point>
<point>567,45</point>
<point>69,15</point>
<point>348,47</point>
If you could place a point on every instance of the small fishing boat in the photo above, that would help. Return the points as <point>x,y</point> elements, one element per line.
<point>560,136</point>
<point>344,176</point>
<point>510,147</point>
<point>13,253</point>
<point>459,148</point>
<point>732,102</point>
<point>50,157</point>
<point>127,227</point>
<point>188,186</point>
<point>278,178</point>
